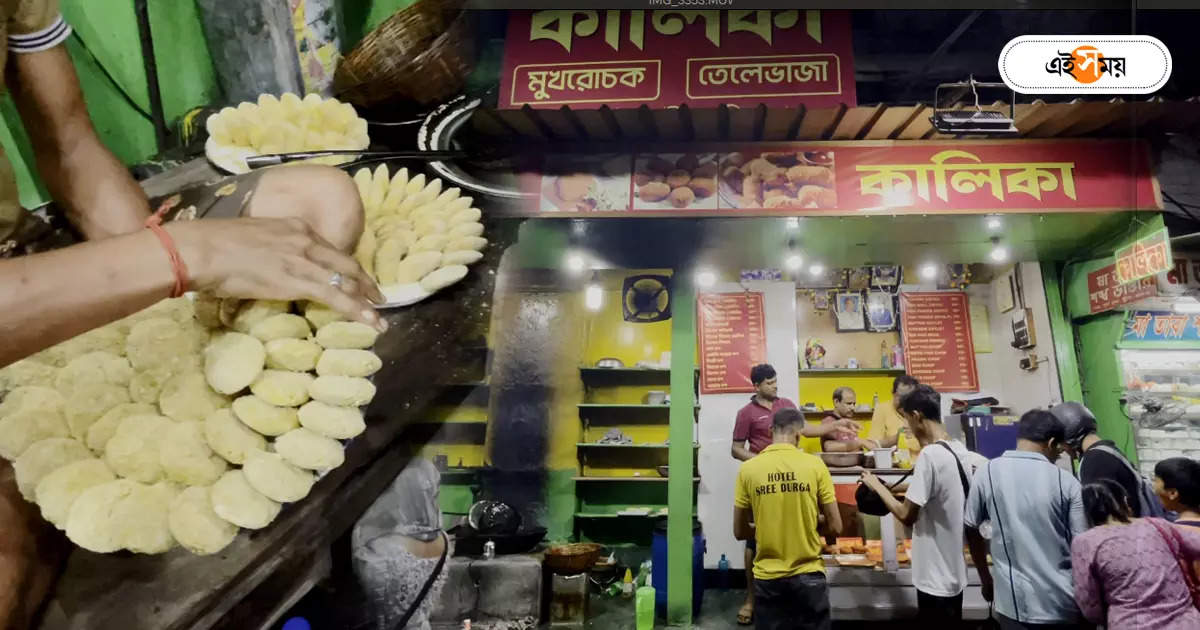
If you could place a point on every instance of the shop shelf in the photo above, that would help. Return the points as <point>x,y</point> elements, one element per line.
<point>615,446</point>
<point>654,512</point>
<point>824,371</point>
<point>626,406</point>
<point>621,479</point>
<point>829,412</point>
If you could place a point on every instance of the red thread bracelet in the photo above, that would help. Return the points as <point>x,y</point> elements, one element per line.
<point>178,267</point>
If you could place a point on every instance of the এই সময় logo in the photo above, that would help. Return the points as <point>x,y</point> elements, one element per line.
<point>1086,64</point>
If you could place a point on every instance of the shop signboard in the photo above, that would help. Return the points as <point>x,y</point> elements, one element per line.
<point>1161,326</point>
<point>1144,257</point>
<point>1184,272</point>
<point>732,329</point>
<point>851,178</point>
<point>625,59</point>
<point>1105,292</point>
<point>938,348</point>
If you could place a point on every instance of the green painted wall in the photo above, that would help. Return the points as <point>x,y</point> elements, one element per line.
<point>1098,335</point>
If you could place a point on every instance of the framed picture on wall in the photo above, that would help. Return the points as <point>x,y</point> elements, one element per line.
<point>848,312</point>
<point>820,301</point>
<point>859,278</point>
<point>881,311</point>
<point>885,276</point>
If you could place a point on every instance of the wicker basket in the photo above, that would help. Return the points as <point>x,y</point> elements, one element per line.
<point>422,53</point>
<point>573,558</point>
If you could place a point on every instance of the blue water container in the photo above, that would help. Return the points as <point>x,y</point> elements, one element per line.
<point>658,571</point>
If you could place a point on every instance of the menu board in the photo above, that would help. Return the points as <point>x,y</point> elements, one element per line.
<point>732,340</point>
<point>937,340</point>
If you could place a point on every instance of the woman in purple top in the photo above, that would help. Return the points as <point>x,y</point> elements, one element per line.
<point>1126,575</point>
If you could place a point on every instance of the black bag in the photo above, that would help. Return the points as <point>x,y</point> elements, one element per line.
<point>870,503</point>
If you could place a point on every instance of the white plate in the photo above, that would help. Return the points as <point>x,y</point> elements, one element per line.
<point>398,295</point>
<point>232,159</point>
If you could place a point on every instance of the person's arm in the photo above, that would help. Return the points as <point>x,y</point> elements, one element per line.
<point>50,297</point>
<point>878,433</point>
<point>741,436</point>
<point>979,555</point>
<point>828,499</point>
<point>906,512</point>
<point>821,430</point>
<point>837,446</point>
<point>741,523</point>
<point>1088,589</point>
<point>1077,519</point>
<point>742,511</point>
<point>100,197</point>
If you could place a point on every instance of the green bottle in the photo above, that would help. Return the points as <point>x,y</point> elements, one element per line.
<point>644,605</point>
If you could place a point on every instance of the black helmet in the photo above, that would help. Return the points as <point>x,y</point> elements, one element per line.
<point>1078,422</point>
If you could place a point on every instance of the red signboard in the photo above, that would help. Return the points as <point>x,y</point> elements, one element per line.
<point>590,58</point>
<point>1106,293</point>
<point>851,178</point>
<point>938,347</point>
<point>732,340</point>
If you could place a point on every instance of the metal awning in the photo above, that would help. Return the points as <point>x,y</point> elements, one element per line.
<point>1039,119</point>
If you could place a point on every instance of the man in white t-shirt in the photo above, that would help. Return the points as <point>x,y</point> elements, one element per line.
<point>934,506</point>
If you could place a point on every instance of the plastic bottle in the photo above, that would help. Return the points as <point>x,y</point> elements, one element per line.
<point>723,568</point>
<point>627,584</point>
<point>885,355</point>
<point>644,608</point>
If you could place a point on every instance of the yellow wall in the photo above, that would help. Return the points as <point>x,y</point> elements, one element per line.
<point>609,335</point>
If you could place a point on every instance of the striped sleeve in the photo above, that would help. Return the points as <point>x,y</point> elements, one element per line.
<point>43,39</point>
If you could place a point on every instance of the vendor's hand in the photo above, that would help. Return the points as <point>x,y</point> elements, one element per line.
<point>871,481</point>
<point>869,445</point>
<point>845,424</point>
<point>275,259</point>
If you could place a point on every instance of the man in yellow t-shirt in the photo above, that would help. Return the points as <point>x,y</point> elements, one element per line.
<point>887,427</point>
<point>786,491</point>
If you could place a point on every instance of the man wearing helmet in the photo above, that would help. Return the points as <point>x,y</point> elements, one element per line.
<point>1098,459</point>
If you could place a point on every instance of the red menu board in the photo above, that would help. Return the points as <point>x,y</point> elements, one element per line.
<point>938,347</point>
<point>626,59</point>
<point>732,340</point>
<point>1105,293</point>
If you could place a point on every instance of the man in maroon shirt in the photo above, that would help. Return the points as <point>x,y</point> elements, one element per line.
<point>752,433</point>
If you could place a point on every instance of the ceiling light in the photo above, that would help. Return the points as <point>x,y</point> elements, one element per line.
<point>576,262</point>
<point>705,278</point>
<point>1186,307</point>
<point>793,262</point>
<point>929,271</point>
<point>593,297</point>
<point>816,269</point>
<point>999,254</point>
<point>994,223</point>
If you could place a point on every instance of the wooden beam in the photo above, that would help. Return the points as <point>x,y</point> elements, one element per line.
<point>780,122</point>
<point>855,123</point>
<point>818,123</point>
<point>893,121</point>
<point>741,123</point>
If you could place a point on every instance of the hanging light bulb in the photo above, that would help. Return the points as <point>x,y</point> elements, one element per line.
<point>593,297</point>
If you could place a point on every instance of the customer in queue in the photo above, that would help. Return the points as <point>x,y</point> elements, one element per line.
<point>1127,570</point>
<point>1030,511</point>
<point>1100,459</point>
<point>752,433</point>
<point>787,491</point>
<point>1177,483</point>
<point>933,506</point>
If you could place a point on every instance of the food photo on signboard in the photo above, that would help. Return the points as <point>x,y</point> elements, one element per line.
<point>783,179</point>
<point>675,181</point>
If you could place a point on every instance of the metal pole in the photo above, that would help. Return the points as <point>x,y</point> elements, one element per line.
<point>151,66</point>
<point>680,455</point>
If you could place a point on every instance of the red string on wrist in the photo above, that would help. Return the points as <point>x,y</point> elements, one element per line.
<point>178,267</point>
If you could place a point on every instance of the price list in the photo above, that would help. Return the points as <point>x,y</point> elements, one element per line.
<point>732,340</point>
<point>938,347</point>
